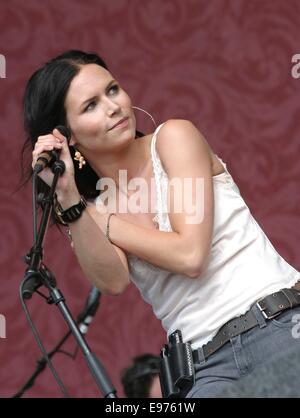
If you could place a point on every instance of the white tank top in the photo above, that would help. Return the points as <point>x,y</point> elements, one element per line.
<point>243,266</point>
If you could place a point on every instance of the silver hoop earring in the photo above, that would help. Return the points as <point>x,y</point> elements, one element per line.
<point>135,107</point>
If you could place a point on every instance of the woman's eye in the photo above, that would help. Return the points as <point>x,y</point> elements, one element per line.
<point>114,88</point>
<point>90,106</point>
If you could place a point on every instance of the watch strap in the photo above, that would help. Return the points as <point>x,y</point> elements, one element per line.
<point>71,214</point>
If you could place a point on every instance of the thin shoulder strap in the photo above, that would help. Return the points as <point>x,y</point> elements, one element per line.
<point>153,144</point>
<point>161,183</point>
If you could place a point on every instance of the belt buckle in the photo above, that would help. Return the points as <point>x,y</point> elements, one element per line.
<point>262,310</point>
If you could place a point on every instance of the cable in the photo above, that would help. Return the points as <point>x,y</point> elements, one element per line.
<point>40,344</point>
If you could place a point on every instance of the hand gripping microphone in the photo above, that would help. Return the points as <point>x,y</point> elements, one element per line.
<point>90,309</point>
<point>46,158</point>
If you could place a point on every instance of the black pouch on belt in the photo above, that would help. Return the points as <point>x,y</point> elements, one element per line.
<point>176,367</point>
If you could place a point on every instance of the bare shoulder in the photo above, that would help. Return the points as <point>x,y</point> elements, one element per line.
<point>182,135</point>
<point>179,130</point>
<point>176,126</point>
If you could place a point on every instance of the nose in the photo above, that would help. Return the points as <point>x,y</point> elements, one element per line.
<point>112,107</point>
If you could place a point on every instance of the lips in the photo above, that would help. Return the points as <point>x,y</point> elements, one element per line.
<point>118,123</point>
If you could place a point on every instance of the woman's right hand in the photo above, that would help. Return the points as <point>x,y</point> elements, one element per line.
<point>58,142</point>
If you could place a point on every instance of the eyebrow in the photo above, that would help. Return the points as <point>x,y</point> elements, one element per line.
<point>94,97</point>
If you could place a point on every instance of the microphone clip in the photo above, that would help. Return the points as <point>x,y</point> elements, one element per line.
<point>58,167</point>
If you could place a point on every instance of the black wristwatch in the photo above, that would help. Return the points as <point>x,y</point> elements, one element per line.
<point>71,214</point>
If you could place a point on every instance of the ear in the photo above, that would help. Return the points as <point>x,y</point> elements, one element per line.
<point>72,141</point>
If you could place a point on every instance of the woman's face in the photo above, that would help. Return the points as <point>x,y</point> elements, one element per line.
<point>95,102</point>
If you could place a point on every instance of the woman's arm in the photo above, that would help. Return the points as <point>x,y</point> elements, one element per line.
<point>184,154</point>
<point>104,264</point>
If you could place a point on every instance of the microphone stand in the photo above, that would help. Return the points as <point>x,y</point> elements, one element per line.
<point>37,275</point>
<point>87,312</point>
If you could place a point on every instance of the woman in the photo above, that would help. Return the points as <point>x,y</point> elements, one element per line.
<point>202,270</point>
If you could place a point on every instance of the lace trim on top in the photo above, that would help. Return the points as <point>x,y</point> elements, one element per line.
<point>161,185</point>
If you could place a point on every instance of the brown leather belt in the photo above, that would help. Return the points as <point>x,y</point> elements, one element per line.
<point>270,307</point>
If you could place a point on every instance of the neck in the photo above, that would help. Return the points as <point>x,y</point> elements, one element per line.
<point>134,160</point>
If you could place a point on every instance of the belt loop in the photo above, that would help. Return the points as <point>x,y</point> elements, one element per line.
<point>259,316</point>
<point>201,355</point>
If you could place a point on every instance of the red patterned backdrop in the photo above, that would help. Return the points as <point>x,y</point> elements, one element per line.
<point>225,65</point>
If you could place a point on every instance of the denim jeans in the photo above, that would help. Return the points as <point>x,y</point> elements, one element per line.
<point>245,353</point>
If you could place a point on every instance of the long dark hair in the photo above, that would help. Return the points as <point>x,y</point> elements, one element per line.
<point>44,109</point>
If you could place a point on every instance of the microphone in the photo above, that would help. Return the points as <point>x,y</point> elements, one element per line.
<point>46,158</point>
<point>90,309</point>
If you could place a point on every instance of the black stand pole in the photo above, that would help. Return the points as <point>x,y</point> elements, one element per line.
<point>37,275</point>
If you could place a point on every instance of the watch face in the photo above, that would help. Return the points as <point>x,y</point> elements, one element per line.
<point>58,214</point>
<point>58,210</point>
